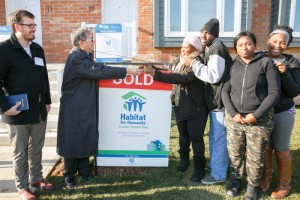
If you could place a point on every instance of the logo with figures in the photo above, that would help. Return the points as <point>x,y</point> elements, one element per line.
<point>133,102</point>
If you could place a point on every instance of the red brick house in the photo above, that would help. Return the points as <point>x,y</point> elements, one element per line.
<point>161,24</point>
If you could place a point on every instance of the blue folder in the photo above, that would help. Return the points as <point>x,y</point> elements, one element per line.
<point>13,99</point>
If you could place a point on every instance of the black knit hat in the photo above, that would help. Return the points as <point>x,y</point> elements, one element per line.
<point>212,26</point>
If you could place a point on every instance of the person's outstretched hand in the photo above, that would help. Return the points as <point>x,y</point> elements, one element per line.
<point>134,71</point>
<point>149,70</point>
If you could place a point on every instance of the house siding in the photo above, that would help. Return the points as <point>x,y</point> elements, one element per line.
<point>288,12</point>
<point>275,14</point>
<point>244,20</point>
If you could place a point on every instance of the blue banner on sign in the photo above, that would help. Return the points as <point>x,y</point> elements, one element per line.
<point>109,60</point>
<point>108,28</point>
<point>5,30</point>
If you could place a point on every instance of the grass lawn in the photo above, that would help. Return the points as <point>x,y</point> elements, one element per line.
<point>162,183</point>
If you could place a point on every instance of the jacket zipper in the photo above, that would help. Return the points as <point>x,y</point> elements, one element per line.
<point>242,95</point>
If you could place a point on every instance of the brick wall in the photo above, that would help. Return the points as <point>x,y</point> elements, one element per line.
<point>145,35</point>
<point>2,12</point>
<point>261,12</point>
<point>59,19</point>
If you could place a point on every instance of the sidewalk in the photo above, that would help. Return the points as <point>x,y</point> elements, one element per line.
<point>8,190</point>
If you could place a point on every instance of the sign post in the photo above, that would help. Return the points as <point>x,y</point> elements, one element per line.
<point>134,122</point>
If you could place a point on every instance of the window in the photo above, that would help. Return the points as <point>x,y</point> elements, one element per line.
<point>188,16</point>
<point>295,17</point>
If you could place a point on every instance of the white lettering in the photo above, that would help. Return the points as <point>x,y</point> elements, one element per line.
<point>148,80</point>
<point>130,81</point>
<point>117,81</point>
<point>137,80</point>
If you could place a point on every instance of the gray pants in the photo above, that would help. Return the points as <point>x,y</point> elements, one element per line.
<point>281,135</point>
<point>28,141</point>
<point>247,144</point>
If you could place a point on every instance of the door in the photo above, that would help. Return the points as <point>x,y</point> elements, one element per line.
<point>123,12</point>
<point>32,6</point>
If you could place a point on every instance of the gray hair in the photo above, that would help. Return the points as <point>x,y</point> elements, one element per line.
<point>79,35</point>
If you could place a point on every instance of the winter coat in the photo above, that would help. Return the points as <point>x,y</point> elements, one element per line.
<point>214,71</point>
<point>192,96</point>
<point>290,84</point>
<point>252,88</point>
<point>77,133</point>
<point>22,74</point>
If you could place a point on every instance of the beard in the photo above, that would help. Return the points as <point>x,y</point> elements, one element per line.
<point>29,37</point>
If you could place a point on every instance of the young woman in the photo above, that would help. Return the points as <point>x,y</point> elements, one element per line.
<point>289,69</point>
<point>249,96</point>
<point>190,108</point>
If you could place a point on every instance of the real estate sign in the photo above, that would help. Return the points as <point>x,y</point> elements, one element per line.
<point>108,43</point>
<point>134,122</point>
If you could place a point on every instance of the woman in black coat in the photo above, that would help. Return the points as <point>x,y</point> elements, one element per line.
<point>77,137</point>
<point>190,108</point>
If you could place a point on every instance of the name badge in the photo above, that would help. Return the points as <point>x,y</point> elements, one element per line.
<point>39,61</point>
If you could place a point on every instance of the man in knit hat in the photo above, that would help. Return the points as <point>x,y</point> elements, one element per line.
<point>214,72</point>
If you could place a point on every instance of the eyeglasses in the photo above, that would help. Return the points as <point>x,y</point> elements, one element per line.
<point>92,39</point>
<point>31,26</point>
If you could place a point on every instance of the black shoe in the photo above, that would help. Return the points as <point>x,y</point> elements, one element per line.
<point>234,187</point>
<point>182,168</point>
<point>198,175</point>
<point>70,182</point>
<point>184,163</point>
<point>88,178</point>
<point>251,192</point>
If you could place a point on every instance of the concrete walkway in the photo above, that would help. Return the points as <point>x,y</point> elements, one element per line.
<point>8,190</point>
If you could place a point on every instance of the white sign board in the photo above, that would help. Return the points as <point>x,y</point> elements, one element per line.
<point>108,43</point>
<point>5,33</point>
<point>134,122</point>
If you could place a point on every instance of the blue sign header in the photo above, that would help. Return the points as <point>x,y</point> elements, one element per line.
<point>109,60</point>
<point>5,30</point>
<point>108,28</point>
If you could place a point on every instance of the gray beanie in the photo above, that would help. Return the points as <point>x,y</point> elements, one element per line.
<point>212,26</point>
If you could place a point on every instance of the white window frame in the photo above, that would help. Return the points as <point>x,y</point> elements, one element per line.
<point>219,15</point>
<point>292,17</point>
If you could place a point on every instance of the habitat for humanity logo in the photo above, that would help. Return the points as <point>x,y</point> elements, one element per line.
<point>134,105</point>
<point>156,146</point>
<point>133,102</point>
